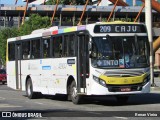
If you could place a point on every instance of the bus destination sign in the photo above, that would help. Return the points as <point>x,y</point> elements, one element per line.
<point>119,28</point>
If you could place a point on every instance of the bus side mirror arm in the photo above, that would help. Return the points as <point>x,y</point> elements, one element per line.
<point>90,49</point>
<point>90,46</point>
<point>90,55</point>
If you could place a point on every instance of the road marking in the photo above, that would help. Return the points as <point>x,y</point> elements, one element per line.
<point>94,113</point>
<point>124,118</point>
<point>1,98</point>
<point>7,105</point>
<point>39,103</point>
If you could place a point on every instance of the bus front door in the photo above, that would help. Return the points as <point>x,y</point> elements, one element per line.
<point>82,62</point>
<point>18,65</point>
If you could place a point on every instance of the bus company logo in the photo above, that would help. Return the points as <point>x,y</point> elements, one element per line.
<point>6,114</point>
<point>22,115</point>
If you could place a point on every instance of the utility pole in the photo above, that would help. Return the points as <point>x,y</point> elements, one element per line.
<point>148,20</point>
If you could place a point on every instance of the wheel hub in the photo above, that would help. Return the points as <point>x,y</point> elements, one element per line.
<point>74,92</point>
<point>29,89</point>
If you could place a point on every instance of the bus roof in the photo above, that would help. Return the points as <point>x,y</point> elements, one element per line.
<point>59,30</point>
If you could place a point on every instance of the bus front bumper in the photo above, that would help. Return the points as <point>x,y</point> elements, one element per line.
<point>98,89</point>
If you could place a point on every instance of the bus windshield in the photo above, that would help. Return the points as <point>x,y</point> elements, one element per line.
<point>120,52</point>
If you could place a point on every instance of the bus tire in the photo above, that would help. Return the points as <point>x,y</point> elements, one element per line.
<point>29,90</point>
<point>76,99</point>
<point>3,83</point>
<point>122,99</point>
<point>156,75</point>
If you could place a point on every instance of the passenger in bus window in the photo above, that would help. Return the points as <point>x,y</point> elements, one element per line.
<point>26,54</point>
<point>142,58</point>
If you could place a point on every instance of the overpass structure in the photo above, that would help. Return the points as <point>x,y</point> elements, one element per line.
<point>36,1</point>
<point>92,13</point>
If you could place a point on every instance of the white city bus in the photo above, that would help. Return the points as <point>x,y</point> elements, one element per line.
<point>104,58</point>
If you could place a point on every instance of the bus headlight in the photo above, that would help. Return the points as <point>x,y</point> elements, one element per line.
<point>96,79</point>
<point>100,81</point>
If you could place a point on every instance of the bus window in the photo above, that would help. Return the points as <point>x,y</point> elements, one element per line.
<point>65,49</point>
<point>26,50</point>
<point>11,51</point>
<point>35,49</point>
<point>71,46</point>
<point>57,47</point>
<point>46,48</point>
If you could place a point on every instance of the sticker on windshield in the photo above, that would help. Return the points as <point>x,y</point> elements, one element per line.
<point>127,65</point>
<point>121,63</point>
<point>107,63</point>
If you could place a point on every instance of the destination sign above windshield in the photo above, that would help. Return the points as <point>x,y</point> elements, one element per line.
<point>119,28</point>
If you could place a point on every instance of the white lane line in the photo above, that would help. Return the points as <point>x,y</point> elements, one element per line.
<point>7,105</point>
<point>124,118</point>
<point>95,113</point>
<point>38,103</point>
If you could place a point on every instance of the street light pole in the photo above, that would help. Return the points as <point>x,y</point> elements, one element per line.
<point>148,20</point>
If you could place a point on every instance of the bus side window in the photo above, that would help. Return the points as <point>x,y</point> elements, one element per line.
<point>65,48</point>
<point>52,46</point>
<point>35,49</point>
<point>46,48</point>
<point>57,47</point>
<point>11,51</point>
<point>71,46</point>
<point>26,50</point>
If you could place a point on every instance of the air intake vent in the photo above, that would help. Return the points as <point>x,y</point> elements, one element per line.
<point>124,73</point>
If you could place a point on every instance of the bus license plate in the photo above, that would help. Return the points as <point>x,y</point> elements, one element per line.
<point>125,89</point>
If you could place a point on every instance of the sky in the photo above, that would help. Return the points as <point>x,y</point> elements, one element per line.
<point>11,2</point>
<point>130,2</point>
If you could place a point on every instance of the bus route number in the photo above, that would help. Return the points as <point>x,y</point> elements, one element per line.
<point>104,29</point>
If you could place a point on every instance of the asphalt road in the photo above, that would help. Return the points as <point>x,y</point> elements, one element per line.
<point>157,81</point>
<point>96,107</point>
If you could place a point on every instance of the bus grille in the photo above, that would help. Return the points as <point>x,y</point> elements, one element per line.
<point>117,88</point>
<point>124,73</point>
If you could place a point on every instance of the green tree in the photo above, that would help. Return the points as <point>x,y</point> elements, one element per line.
<point>67,2</point>
<point>4,35</point>
<point>34,22</point>
<point>53,2</point>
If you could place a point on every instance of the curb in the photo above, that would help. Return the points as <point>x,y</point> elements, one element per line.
<point>156,88</point>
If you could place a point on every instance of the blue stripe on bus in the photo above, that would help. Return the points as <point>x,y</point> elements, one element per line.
<point>46,67</point>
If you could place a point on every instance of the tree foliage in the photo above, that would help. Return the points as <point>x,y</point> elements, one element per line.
<point>53,2</point>
<point>68,2</point>
<point>4,35</point>
<point>34,22</point>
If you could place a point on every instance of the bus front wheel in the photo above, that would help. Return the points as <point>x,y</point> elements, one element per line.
<point>76,99</point>
<point>29,89</point>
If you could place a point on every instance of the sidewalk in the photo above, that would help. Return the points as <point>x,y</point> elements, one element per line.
<point>157,83</point>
